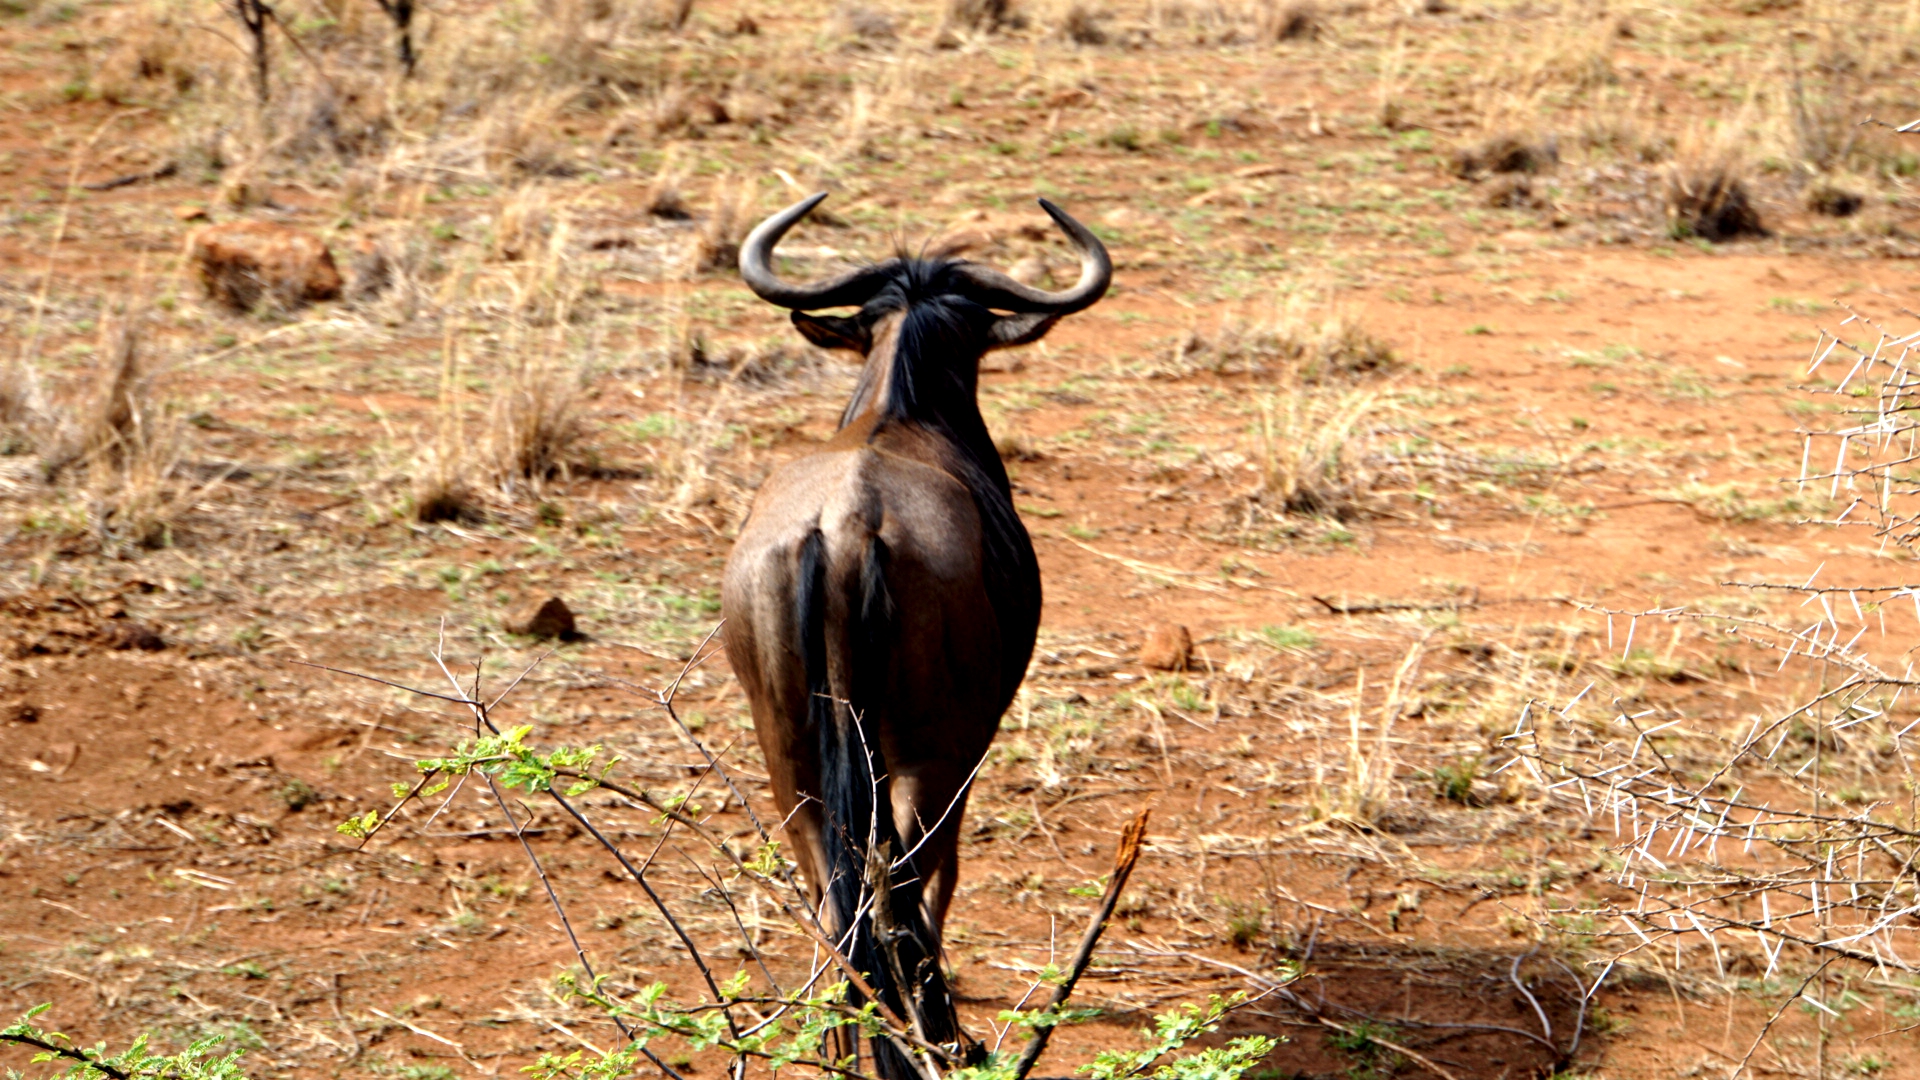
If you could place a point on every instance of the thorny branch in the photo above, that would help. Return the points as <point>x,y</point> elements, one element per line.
<point>503,760</point>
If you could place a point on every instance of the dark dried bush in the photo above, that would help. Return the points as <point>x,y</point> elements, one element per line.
<point>1083,25</point>
<point>1299,21</point>
<point>1711,202</point>
<point>1505,154</point>
<point>1832,200</point>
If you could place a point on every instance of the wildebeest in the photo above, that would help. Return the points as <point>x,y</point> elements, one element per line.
<point>882,600</point>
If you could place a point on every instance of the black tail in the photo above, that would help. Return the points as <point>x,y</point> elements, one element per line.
<point>853,784</point>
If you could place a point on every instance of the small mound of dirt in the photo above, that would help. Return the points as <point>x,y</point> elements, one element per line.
<point>46,623</point>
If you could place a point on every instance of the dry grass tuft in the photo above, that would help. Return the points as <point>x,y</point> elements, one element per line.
<point>1301,20</point>
<point>23,407</point>
<point>866,25</point>
<point>522,137</point>
<point>443,487</point>
<point>1083,25</point>
<point>1516,193</point>
<point>1305,342</point>
<point>984,15</point>
<point>716,244</point>
<point>1506,153</point>
<point>534,426</point>
<point>106,428</point>
<point>1366,789</point>
<point>663,197</point>
<point>129,445</point>
<point>1624,132</point>
<point>1828,198</point>
<point>670,14</point>
<point>523,225</point>
<point>1709,199</point>
<point>147,61</point>
<point>1314,447</point>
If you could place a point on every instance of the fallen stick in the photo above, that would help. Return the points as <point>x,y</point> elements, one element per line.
<point>160,173</point>
<point>1124,857</point>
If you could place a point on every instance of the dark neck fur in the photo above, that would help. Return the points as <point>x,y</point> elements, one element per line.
<point>928,374</point>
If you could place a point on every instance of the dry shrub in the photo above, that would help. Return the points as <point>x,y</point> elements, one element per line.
<point>147,60</point>
<point>107,424</point>
<point>391,273</point>
<point>1301,20</point>
<point>1305,341</point>
<point>873,118</point>
<point>672,110</point>
<point>23,407</point>
<point>341,117</point>
<point>716,244</point>
<point>693,357</point>
<point>1083,25</point>
<point>1314,447</point>
<point>1625,133</point>
<point>1832,200</point>
<point>534,426</point>
<point>523,225</point>
<point>523,136</point>
<point>984,16</point>
<point>1553,57</point>
<point>707,466</point>
<point>129,445</point>
<point>443,487</point>
<point>1707,198</point>
<point>861,23</point>
<point>1506,153</point>
<point>1366,788</point>
<point>663,197</point>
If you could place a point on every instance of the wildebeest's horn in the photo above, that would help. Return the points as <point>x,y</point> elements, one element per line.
<point>756,268</point>
<point>996,290</point>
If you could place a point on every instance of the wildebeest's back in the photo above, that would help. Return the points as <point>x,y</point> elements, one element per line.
<point>945,657</point>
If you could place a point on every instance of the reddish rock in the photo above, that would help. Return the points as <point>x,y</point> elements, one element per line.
<point>1169,647</point>
<point>241,263</point>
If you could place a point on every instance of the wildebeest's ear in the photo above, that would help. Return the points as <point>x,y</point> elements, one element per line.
<point>834,331</point>
<point>1011,330</point>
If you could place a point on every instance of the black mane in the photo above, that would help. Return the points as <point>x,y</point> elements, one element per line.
<point>935,372</point>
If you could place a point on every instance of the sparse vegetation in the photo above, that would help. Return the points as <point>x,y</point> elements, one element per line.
<point>1426,328</point>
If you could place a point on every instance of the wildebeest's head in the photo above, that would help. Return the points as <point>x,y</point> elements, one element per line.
<point>963,304</point>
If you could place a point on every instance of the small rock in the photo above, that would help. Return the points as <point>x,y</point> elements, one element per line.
<point>1168,648</point>
<point>241,263</point>
<point>57,758</point>
<point>551,618</point>
<point>188,212</point>
<point>23,712</point>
